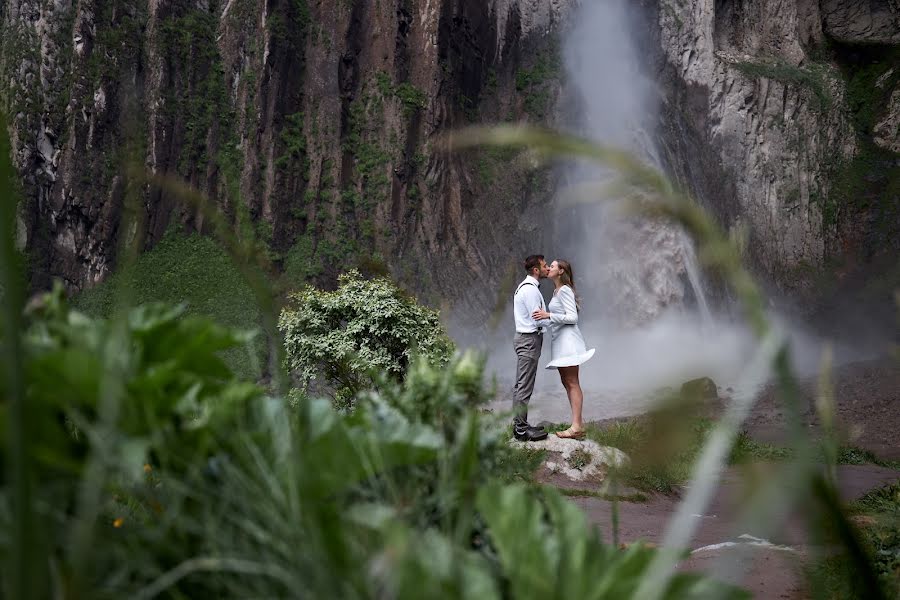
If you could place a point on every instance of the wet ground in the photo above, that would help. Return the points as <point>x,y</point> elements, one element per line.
<point>765,558</point>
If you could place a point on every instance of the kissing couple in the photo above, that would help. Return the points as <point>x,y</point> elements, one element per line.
<point>567,348</point>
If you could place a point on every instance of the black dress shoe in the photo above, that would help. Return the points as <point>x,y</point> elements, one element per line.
<point>531,434</point>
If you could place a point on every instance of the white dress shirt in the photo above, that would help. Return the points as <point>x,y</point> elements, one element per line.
<point>527,300</point>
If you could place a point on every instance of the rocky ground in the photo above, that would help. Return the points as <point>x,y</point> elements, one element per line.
<point>768,558</point>
<point>867,397</point>
<point>766,562</point>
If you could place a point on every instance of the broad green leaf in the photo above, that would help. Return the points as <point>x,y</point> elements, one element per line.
<point>519,533</point>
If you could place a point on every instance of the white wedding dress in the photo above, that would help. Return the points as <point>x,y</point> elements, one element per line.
<point>567,347</point>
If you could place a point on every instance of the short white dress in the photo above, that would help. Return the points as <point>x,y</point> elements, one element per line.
<point>567,347</point>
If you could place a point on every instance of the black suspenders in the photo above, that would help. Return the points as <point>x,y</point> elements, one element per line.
<point>524,283</point>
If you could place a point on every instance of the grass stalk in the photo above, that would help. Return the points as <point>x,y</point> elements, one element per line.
<point>251,263</point>
<point>24,559</point>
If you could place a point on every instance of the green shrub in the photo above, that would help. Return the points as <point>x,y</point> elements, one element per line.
<point>412,97</point>
<point>362,329</point>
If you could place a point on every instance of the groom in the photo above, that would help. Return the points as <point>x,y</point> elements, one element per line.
<point>527,344</point>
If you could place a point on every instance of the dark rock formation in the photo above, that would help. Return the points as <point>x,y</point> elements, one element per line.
<point>313,125</point>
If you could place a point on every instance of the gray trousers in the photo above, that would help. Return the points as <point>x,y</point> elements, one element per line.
<point>528,351</point>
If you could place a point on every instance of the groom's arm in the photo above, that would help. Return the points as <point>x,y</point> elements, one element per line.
<point>537,301</point>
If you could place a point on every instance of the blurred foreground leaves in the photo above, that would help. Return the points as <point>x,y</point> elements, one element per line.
<point>207,486</point>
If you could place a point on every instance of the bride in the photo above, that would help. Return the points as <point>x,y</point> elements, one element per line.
<point>567,348</point>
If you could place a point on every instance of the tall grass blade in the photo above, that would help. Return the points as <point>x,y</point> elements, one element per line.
<point>705,475</point>
<point>115,356</point>
<point>22,571</point>
<point>252,264</point>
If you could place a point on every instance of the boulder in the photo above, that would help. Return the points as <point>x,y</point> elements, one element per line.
<point>575,461</point>
<point>702,388</point>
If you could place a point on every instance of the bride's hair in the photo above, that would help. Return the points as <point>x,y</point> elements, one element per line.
<point>566,277</point>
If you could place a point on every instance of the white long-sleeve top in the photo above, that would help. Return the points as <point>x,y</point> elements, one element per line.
<point>528,299</point>
<point>565,311</point>
<point>567,347</point>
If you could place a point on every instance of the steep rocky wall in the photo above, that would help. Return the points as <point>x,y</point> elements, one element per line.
<point>314,127</point>
<point>311,123</point>
<point>761,116</point>
<point>760,120</point>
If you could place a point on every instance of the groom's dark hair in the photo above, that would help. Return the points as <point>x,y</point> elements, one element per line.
<point>533,262</point>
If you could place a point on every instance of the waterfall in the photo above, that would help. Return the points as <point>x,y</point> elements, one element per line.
<point>636,269</point>
<point>644,307</point>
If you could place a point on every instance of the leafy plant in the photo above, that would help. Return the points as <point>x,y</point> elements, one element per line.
<point>579,459</point>
<point>105,398</point>
<point>878,517</point>
<point>412,97</point>
<point>363,327</point>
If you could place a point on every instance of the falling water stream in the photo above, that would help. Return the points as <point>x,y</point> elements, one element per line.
<point>636,268</point>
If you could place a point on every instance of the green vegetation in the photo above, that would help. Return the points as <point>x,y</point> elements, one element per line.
<point>294,141</point>
<point>517,465</point>
<point>853,455</point>
<point>584,493</point>
<point>814,77</point>
<point>492,162</point>
<point>579,459</point>
<point>865,98</point>
<point>878,522</point>
<point>870,181</point>
<point>883,501</point>
<point>536,83</point>
<point>301,265</point>
<point>385,83</point>
<point>411,97</point>
<point>358,333</point>
<point>191,270</point>
<point>118,41</point>
<point>301,15</point>
<point>747,450</point>
<point>353,234</point>
<point>201,100</point>
<point>546,68</point>
<point>662,463</point>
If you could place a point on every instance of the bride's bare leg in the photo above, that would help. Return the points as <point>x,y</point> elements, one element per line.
<point>569,377</point>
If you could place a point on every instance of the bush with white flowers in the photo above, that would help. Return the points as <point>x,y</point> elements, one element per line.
<point>364,329</point>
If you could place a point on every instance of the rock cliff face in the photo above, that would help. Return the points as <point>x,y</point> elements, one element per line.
<point>314,126</point>
<point>312,123</point>
<point>769,116</point>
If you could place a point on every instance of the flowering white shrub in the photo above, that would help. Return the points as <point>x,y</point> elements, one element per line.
<point>363,329</point>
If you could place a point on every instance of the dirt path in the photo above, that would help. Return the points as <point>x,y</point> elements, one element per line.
<point>768,563</point>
